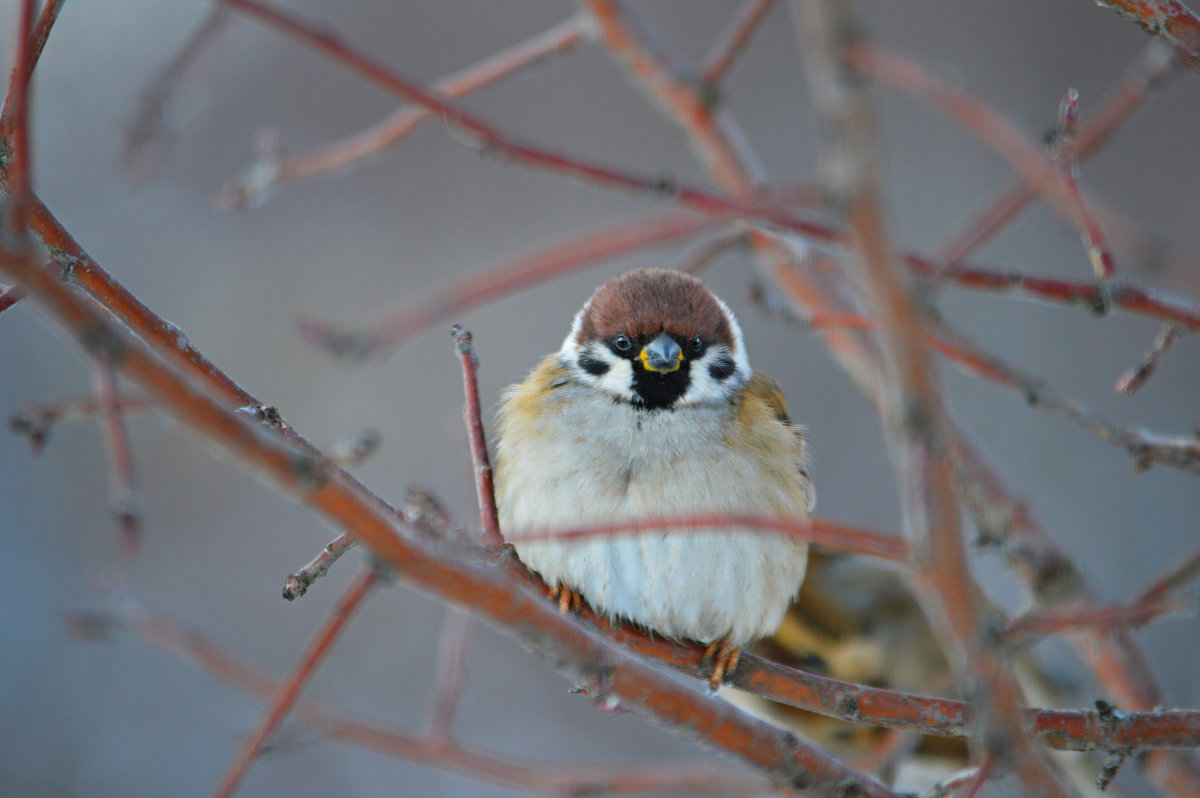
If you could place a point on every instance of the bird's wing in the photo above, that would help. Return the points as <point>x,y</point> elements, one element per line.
<point>765,390</point>
<point>768,390</point>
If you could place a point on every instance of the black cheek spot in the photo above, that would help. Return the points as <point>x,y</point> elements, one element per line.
<point>593,365</point>
<point>722,368</point>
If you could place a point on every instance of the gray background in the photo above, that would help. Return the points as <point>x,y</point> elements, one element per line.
<point>122,719</point>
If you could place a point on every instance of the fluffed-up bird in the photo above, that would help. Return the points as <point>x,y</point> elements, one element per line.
<point>650,410</point>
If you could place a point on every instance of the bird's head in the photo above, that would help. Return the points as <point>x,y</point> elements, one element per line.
<point>658,339</point>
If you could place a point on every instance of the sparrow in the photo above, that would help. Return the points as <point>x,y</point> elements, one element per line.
<point>651,410</point>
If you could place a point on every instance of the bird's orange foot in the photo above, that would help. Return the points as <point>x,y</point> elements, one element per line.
<point>568,598</point>
<point>724,658</point>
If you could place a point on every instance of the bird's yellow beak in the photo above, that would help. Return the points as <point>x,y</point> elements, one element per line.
<point>662,355</point>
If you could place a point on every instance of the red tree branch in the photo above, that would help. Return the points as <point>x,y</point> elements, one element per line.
<point>1169,20</point>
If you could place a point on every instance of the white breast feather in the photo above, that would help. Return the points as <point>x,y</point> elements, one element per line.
<point>594,461</point>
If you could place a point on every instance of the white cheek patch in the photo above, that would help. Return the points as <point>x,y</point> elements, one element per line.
<point>595,364</point>
<point>714,377</point>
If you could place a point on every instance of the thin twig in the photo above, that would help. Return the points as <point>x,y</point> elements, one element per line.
<point>36,421</point>
<point>147,125</point>
<point>298,583</point>
<point>1147,71</point>
<point>698,259</point>
<point>1146,448</point>
<point>1122,293</point>
<point>254,186</point>
<point>289,689</point>
<point>1091,233</point>
<point>732,40</point>
<point>1178,576</point>
<point>1139,374</point>
<point>123,496</point>
<point>987,125</point>
<point>450,674</point>
<point>473,416</point>
<point>1039,623</point>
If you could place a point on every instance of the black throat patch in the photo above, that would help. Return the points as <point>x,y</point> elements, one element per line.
<point>655,391</point>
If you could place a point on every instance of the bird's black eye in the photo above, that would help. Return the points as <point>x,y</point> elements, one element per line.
<point>697,344</point>
<point>622,342</point>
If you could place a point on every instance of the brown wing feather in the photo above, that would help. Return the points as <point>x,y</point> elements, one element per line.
<point>764,392</point>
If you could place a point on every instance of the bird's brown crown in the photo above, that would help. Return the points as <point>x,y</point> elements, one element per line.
<point>643,302</point>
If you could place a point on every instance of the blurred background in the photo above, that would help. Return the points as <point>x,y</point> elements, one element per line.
<point>122,719</point>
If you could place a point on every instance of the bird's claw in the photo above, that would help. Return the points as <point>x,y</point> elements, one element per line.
<point>568,598</point>
<point>724,656</point>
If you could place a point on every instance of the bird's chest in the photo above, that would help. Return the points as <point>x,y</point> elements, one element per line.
<point>604,460</point>
<point>591,462</point>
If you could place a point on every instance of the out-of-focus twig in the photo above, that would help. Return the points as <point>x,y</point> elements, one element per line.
<point>1159,600</point>
<point>36,44</point>
<point>1179,575</point>
<point>1148,71</point>
<point>953,783</point>
<point>698,258</point>
<point>1039,623</point>
<point>911,405</point>
<point>1114,656</point>
<point>354,450</point>
<point>1169,20</point>
<point>732,40</point>
<point>289,689</point>
<point>9,296</point>
<point>570,779</point>
<point>473,416</point>
<point>836,537</point>
<point>123,496</point>
<point>1139,374</point>
<point>144,133</point>
<point>990,127</point>
<point>1091,233</point>
<point>554,260</point>
<point>450,675</point>
<point>36,421</point>
<point>298,583</point>
<point>253,187</point>
<point>1146,448</point>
